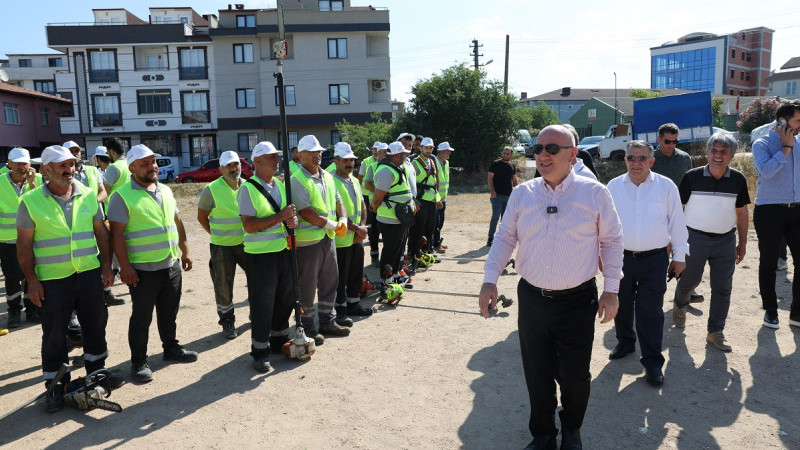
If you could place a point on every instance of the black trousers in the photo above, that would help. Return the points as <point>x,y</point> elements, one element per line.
<point>556,336</point>
<point>773,223</point>
<point>269,287</point>
<point>437,231</point>
<point>641,296</point>
<point>159,289</point>
<point>394,236</point>
<point>424,224</point>
<point>373,232</point>
<point>222,266</point>
<point>82,292</point>
<point>351,272</point>
<point>14,277</point>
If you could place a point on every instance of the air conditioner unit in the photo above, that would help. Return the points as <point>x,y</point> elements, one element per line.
<point>379,85</point>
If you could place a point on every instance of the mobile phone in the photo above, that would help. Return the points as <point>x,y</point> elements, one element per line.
<point>781,123</point>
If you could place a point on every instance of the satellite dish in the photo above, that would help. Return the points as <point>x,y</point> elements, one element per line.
<point>3,76</point>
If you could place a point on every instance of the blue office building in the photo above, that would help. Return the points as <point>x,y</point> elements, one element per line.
<point>688,69</point>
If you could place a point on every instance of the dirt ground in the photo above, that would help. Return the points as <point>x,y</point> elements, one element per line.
<point>429,373</point>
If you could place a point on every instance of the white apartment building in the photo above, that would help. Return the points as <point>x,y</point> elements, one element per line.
<point>35,71</point>
<point>144,81</point>
<point>337,69</point>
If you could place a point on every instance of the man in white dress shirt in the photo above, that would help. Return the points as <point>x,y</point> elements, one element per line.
<point>649,207</point>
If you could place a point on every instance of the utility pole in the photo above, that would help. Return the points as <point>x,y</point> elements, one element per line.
<point>505,78</point>
<point>475,54</point>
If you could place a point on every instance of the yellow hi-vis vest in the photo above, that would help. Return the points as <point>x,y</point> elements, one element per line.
<point>124,175</point>
<point>224,221</point>
<point>399,192</point>
<point>368,161</point>
<point>426,182</point>
<point>272,239</point>
<point>353,209</point>
<point>9,203</point>
<point>444,177</point>
<point>58,250</point>
<point>92,177</point>
<point>150,234</point>
<point>306,232</point>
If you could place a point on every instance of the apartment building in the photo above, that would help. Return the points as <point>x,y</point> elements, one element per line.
<point>337,69</point>
<point>144,81</point>
<point>35,71</point>
<point>733,64</point>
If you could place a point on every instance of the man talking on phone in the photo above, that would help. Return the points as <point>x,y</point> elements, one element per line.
<point>777,211</point>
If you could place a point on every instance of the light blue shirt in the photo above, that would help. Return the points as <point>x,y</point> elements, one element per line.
<point>778,175</point>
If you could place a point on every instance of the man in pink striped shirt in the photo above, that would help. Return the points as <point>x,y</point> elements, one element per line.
<point>564,225</point>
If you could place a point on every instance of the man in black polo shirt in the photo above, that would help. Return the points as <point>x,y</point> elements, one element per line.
<point>502,179</point>
<point>715,203</point>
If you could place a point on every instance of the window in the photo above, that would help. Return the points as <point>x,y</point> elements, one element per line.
<point>732,92</point>
<point>247,141</point>
<point>11,112</point>
<point>294,137</point>
<point>25,63</point>
<point>55,62</point>
<point>202,148</point>
<point>242,53</point>
<point>690,69</point>
<point>106,110</point>
<point>288,92</point>
<point>742,55</point>
<point>747,76</point>
<point>195,107</point>
<point>339,94</point>
<point>733,53</point>
<point>748,56</point>
<point>335,136</point>
<point>337,48</point>
<point>102,66</point>
<point>154,102</point>
<point>45,116</point>
<point>791,88</point>
<point>741,75</point>
<point>193,64</point>
<point>163,144</point>
<point>331,5</point>
<point>68,111</point>
<point>246,21</point>
<point>245,98</point>
<point>46,86</point>
<point>733,74</point>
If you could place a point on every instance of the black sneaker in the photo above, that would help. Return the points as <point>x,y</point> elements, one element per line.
<point>111,299</point>
<point>54,401</point>
<point>262,364</point>
<point>771,319</point>
<point>228,329</point>
<point>696,298</point>
<point>180,354</point>
<point>13,319</point>
<point>141,372</point>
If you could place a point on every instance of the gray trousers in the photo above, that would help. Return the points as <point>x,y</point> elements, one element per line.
<point>720,252</point>
<point>222,266</point>
<point>318,274</point>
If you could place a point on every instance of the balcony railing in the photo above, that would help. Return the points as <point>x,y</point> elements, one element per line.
<point>196,116</point>
<point>107,120</point>
<point>194,73</point>
<point>103,76</point>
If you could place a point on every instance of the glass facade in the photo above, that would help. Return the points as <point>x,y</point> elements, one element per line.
<point>691,69</point>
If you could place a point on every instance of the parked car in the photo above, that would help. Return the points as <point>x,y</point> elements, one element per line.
<point>529,147</point>
<point>210,172</point>
<point>590,144</point>
<point>166,169</point>
<point>518,147</point>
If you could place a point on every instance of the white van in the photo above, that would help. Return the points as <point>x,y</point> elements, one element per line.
<point>166,169</point>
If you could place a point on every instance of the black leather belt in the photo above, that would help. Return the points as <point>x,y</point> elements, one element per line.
<point>790,205</point>
<point>550,293</point>
<point>706,233</point>
<point>644,253</point>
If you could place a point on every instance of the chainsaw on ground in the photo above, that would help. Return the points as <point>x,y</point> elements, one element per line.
<point>91,392</point>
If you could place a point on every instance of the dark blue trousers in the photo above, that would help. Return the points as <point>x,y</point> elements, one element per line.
<point>641,297</point>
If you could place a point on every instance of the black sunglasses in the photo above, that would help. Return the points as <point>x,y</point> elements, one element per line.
<point>668,142</point>
<point>553,149</point>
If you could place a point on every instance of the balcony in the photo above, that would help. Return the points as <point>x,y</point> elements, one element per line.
<point>194,73</point>
<point>103,76</point>
<point>108,120</point>
<point>196,116</point>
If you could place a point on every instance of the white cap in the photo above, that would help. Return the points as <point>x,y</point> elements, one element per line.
<point>100,151</point>
<point>426,142</point>
<point>56,154</point>
<point>262,148</point>
<point>343,150</point>
<point>20,155</point>
<point>70,144</point>
<point>402,135</point>
<point>396,148</point>
<point>228,157</point>
<point>377,144</point>
<point>383,146</point>
<point>138,152</point>
<point>445,146</point>
<point>309,143</point>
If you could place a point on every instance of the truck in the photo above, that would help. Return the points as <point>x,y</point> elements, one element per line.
<point>690,112</point>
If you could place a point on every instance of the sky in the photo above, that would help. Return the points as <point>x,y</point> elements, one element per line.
<point>580,44</point>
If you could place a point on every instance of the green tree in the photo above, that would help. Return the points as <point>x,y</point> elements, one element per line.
<point>535,117</point>
<point>461,106</point>
<point>361,137</point>
<point>716,111</point>
<point>644,93</point>
<point>756,114</point>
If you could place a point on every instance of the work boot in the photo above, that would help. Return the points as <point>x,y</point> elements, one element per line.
<point>261,364</point>
<point>318,338</point>
<point>696,298</point>
<point>679,316</point>
<point>13,318</point>
<point>141,372</point>
<point>355,308</point>
<point>179,354</point>
<point>717,339</point>
<point>111,299</point>
<point>32,315</point>
<point>341,316</point>
<point>54,401</point>
<point>228,328</point>
<point>335,329</point>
